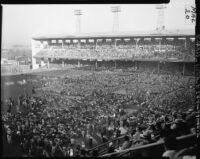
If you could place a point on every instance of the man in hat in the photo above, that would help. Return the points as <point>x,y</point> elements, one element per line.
<point>9,137</point>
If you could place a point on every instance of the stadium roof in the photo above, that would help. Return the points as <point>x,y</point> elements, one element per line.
<point>118,34</point>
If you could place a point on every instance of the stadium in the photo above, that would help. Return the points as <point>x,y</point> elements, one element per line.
<point>152,48</point>
<point>117,94</point>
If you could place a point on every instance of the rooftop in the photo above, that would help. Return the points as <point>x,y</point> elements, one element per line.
<point>118,34</point>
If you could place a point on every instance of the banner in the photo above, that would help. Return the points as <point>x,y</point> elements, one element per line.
<point>190,14</point>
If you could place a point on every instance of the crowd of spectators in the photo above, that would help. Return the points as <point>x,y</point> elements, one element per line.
<point>123,50</point>
<point>70,115</point>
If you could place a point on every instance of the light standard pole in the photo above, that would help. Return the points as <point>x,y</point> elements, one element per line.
<point>78,14</point>
<point>115,10</point>
<point>161,16</point>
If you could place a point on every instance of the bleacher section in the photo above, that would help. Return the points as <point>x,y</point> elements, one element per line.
<point>153,150</point>
<point>151,50</point>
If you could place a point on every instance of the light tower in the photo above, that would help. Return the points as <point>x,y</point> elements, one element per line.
<point>115,10</point>
<point>161,16</point>
<point>78,14</point>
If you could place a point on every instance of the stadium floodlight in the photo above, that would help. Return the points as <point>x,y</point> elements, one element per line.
<point>161,16</point>
<point>115,10</point>
<point>161,6</point>
<point>78,14</point>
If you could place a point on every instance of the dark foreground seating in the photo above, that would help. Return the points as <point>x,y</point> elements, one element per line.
<point>153,150</point>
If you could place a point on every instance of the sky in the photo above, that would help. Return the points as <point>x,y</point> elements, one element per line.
<point>21,22</point>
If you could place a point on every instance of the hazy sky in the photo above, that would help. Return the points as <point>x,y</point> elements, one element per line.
<point>21,22</point>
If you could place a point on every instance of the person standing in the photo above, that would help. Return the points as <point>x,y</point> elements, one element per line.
<point>9,137</point>
<point>9,106</point>
<point>64,151</point>
<point>18,104</point>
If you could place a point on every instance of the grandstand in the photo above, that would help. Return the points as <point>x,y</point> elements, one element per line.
<point>150,46</point>
<point>108,94</point>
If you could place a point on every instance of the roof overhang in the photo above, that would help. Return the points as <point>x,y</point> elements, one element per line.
<point>154,33</point>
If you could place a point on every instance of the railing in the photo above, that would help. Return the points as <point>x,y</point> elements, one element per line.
<point>154,149</point>
<point>102,149</point>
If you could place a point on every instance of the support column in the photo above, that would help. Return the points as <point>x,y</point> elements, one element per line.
<point>48,64</point>
<point>95,41</point>
<point>136,44</point>
<point>115,43</point>
<point>79,63</point>
<point>183,68</point>
<point>158,67</point>
<point>63,64</point>
<point>115,65</point>
<point>79,43</point>
<point>137,65</point>
<point>42,63</point>
<point>186,50</point>
<point>96,65</point>
<point>135,68</point>
<point>62,44</point>
<point>160,45</point>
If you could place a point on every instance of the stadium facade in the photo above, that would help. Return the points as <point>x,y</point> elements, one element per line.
<point>167,45</point>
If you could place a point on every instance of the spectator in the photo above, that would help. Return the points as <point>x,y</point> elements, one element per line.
<point>170,143</point>
<point>9,136</point>
<point>111,148</point>
<point>104,139</point>
<point>126,143</point>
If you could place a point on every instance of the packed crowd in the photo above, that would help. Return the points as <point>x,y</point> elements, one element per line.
<point>70,115</point>
<point>144,50</point>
